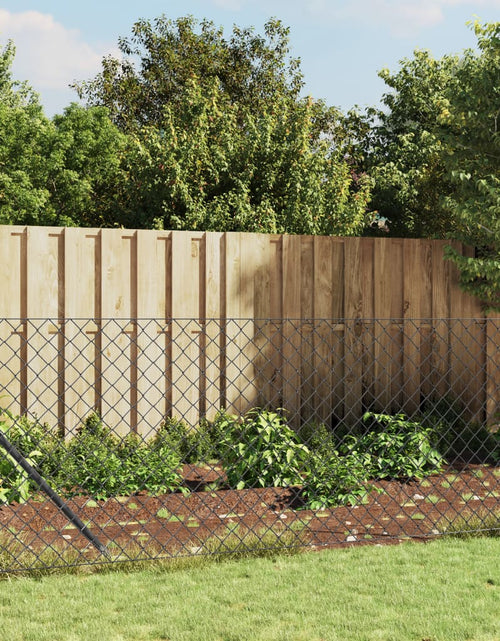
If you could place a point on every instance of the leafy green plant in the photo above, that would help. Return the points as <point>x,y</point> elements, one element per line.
<point>334,480</point>
<point>192,444</point>
<point>395,448</point>
<point>261,450</point>
<point>176,435</point>
<point>102,465</point>
<point>320,440</point>
<point>37,443</point>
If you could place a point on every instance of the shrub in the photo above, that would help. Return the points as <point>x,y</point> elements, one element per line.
<point>193,445</point>
<point>395,448</point>
<point>177,436</point>
<point>38,444</point>
<point>334,480</point>
<point>319,439</point>
<point>261,450</point>
<point>102,465</point>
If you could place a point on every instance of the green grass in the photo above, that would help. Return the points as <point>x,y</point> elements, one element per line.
<point>447,590</point>
<point>472,524</point>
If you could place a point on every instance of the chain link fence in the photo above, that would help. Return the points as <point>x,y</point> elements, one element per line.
<point>125,440</point>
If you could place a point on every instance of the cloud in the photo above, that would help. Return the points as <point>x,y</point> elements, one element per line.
<point>48,55</point>
<point>404,18</point>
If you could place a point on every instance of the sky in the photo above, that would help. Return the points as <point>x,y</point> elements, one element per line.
<point>342,44</point>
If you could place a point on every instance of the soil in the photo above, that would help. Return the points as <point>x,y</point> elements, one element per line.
<point>180,524</point>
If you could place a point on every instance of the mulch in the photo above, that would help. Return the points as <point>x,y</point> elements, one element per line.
<point>179,524</point>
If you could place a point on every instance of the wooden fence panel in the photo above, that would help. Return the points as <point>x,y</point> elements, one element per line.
<point>250,334</point>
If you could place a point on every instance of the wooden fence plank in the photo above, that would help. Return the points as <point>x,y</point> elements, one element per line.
<point>426,331</point>
<point>291,299</point>
<point>82,388</point>
<point>45,330</point>
<point>187,325</point>
<point>353,358</point>
<point>384,269</point>
<point>214,327</point>
<point>13,357</point>
<point>118,330</point>
<point>308,296</point>
<point>412,312</point>
<point>153,331</point>
<point>321,329</point>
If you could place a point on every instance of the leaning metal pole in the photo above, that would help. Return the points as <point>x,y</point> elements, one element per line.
<point>54,497</point>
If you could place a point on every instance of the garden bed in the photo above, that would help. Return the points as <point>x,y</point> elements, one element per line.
<point>181,523</point>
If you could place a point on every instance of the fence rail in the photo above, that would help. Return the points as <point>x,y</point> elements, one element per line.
<point>188,436</point>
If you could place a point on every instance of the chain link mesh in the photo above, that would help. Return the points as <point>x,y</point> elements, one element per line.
<point>181,437</point>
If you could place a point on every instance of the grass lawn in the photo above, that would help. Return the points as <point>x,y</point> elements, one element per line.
<point>447,590</point>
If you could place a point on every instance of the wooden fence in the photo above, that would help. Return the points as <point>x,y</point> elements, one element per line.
<point>127,275</point>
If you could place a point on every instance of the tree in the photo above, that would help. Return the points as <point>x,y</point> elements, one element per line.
<point>87,175</point>
<point>434,154</point>
<point>24,134</point>
<point>216,165</point>
<point>220,138</point>
<point>162,58</point>
<point>470,121</point>
<point>65,171</point>
<point>404,149</point>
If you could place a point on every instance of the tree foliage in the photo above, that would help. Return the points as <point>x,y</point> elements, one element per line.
<point>470,119</point>
<point>404,149</point>
<point>63,171</point>
<point>219,166</point>
<point>162,58</point>
<point>219,138</point>
<point>434,154</point>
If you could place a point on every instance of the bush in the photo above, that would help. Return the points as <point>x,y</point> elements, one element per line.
<point>395,448</point>
<point>334,480</point>
<point>261,450</point>
<point>181,439</point>
<point>193,445</point>
<point>319,439</point>
<point>102,465</point>
<point>41,447</point>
